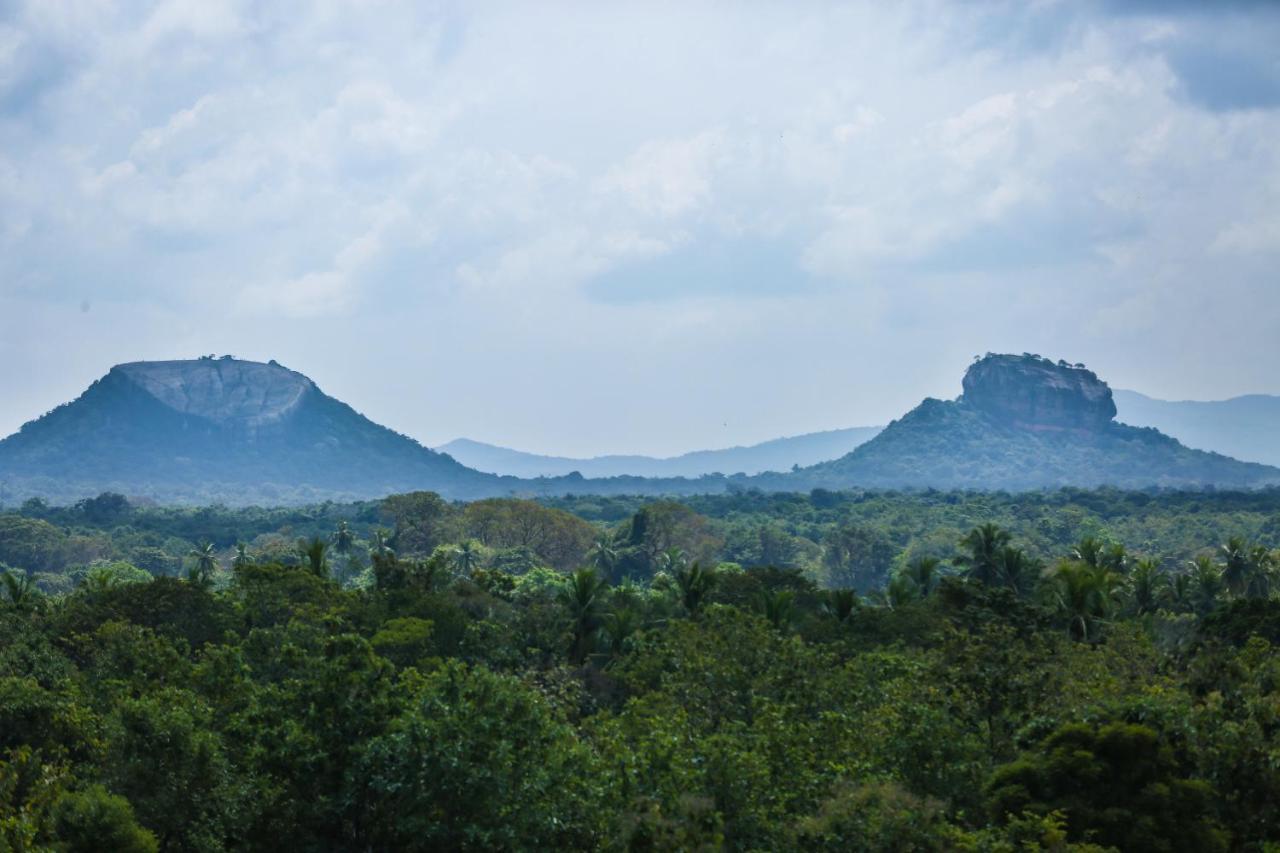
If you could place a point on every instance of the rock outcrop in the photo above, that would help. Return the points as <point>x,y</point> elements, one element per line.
<point>1033,392</point>
<point>223,390</point>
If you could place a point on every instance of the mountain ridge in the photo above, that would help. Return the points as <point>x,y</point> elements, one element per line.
<point>777,454</point>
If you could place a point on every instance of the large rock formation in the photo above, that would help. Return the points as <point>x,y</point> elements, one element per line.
<point>1024,422</point>
<point>1030,391</point>
<point>238,432</point>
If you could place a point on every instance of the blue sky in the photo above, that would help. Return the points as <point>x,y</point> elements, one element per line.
<point>589,228</point>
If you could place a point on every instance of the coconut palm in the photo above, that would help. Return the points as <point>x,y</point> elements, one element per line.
<point>778,606</point>
<point>1236,565</point>
<point>672,561</point>
<point>314,554</point>
<point>379,549</point>
<point>1206,584</point>
<point>1264,572</point>
<point>343,539</point>
<point>20,590</point>
<point>604,554</point>
<point>242,557</point>
<point>899,591</point>
<point>206,562</point>
<point>925,574</point>
<point>1018,571</point>
<point>466,557</point>
<point>1084,595</point>
<point>983,546</point>
<point>1146,585</point>
<point>839,604</point>
<point>584,597</point>
<point>695,584</point>
<point>618,627</point>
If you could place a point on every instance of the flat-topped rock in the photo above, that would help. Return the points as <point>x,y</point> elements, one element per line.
<point>1027,390</point>
<point>223,390</point>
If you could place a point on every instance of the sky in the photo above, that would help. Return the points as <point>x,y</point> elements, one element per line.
<point>586,228</point>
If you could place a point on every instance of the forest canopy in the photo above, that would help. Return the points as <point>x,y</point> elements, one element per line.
<point>1069,670</point>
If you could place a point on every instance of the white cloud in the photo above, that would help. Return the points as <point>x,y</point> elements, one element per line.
<point>799,193</point>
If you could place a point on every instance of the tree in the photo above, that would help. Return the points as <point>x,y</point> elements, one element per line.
<point>778,607</point>
<point>584,599</point>
<point>1206,584</point>
<point>242,558</point>
<point>984,546</point>
<point>206,562</point>
<point>1117,783</point>
<point>343,539</point>
<point>1146,586</point>
<point>314,554</point>
<point>924,574</point>
<point>466,557</point>
<point>1236,568</point>
<point>839,604</point>
<point>1084,596</point>
<point>20,590</point>
<point>604,554</point>
<point>695,584</point>
<point>857,557</point>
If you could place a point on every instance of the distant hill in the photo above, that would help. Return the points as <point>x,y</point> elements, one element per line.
<point>240,432</point>
<point>1024,422</point>
<point>779,454</point>
<point>1245,427</point>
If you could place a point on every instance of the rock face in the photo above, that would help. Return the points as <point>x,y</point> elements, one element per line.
<point>225,390</point>
<point>1033,392</point>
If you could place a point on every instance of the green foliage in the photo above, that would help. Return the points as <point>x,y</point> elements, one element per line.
<point>497,696</point>
<point>1117,783</point>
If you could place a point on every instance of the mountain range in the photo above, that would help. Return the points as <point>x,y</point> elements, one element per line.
<point>240,432</point>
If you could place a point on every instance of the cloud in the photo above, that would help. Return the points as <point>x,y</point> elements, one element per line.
<point>739,217</point>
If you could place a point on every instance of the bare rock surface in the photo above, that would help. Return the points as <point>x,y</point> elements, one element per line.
<point>223,390</point>
<point>1030,391</point>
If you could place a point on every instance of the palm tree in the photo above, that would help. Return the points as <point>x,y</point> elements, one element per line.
<point>1236,568</point>
<point>206,562</point>
<point>984,544</point>
<point>672,561</point>
<point>1145,584</point>
<point>619,626</point>
<point>314,554</point>
<point>1264,568</point>
<point>1084,595</point>
<point>466,557</point>
<point>242,557</point>
<point>343,539</point>
<point>779,607</point>
<point>1206,584</point>
<point>924,573</point>
<point>839,604</point>
<point>1178,592</point>
<point>1017,571</point>
<point>584,597</point>
<point>1088,551</point>
<point>901,590</point>
<point>604,554</point>
<point>20,590</point>
<point>379,549</point>
<point>694,583</point>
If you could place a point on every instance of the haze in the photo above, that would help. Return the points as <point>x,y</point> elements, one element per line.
<point>581,229</point>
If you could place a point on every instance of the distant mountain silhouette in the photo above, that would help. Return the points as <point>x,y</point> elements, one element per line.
<point>1245,427</point>
<point>240,432</point>
<point>1024,422</point>
<point>779,454</point>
